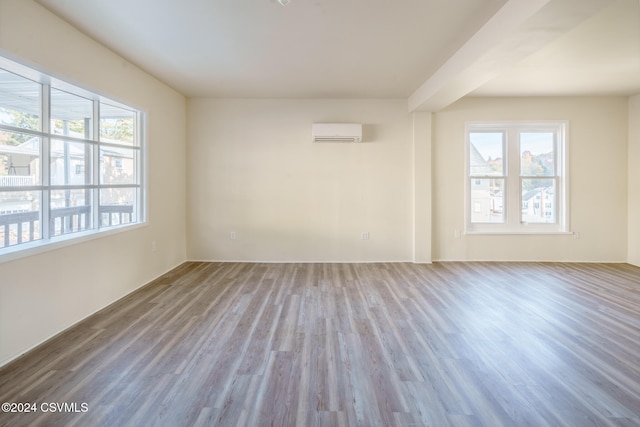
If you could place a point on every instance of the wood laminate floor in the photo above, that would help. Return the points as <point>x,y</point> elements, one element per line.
<point>235,344</point>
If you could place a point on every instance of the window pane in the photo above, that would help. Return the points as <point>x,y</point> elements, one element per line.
<point>89,148</point>
<point>537,154</point>
<point>117,166</point>
<point>487,200</point>
<point>19,217</point>
<point>19,159</point>
<point>486,153</point>
<point>71,115</point>
<point>118,206</point>
<point>117,125</point>
<point>539,200</point>
<point>70,163</point>
<point>19,101</point>
<point>70,211</point>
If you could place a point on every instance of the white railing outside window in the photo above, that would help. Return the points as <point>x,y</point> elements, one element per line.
<point>17,181</point>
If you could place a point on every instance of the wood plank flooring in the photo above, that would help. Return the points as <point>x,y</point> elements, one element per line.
<point>247,344</point>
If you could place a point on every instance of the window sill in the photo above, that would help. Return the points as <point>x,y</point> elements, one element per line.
<point>520,233</point>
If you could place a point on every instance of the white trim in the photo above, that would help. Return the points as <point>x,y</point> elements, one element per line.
<point>520,233</point>
<point>247,261</point>
<point>11,253</point>
<point>511,160</point>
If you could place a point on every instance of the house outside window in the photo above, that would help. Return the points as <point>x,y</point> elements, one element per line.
<point>70,160</point>
<point>516,177</point>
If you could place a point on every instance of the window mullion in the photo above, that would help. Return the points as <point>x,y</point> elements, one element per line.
<point>561,175</point>
<point>513,183</point>
<point>95,159</point>
<point>45,156</point>
<point>139,168</point>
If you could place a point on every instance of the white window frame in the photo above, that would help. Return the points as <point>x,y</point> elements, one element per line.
<point>48,240</point>
<point>512,192</point>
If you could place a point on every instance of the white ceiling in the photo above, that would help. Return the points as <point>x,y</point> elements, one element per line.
<point>415,49</point>
<point>600,56</point>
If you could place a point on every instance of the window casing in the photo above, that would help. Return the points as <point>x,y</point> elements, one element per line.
<point>70,161</point>
<point>516,177</point>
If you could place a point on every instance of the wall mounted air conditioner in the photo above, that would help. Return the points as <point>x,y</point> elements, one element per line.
<point>336,132</point>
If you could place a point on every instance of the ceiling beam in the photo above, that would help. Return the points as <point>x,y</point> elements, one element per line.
<point>518,29</point>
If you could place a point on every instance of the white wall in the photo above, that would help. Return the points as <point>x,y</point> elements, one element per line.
<point>598,180</point>
<point>254,170</point>
<point>634,180</point>
<point>43,294</point>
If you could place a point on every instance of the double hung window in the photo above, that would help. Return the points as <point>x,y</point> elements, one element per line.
<point>516,177</point>
<point>70,160</point>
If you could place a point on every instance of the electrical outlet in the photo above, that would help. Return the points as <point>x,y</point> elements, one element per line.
<point>233,235</point>
<point>154,246</point>
<point>364,235</point>
<point>456,234</point>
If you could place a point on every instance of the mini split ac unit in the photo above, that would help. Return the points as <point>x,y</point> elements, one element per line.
<point>336,132</point>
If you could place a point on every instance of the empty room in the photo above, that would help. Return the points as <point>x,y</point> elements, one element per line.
<point>320,213</point>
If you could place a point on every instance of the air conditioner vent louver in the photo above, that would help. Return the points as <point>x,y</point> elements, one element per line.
<point>336,132</point>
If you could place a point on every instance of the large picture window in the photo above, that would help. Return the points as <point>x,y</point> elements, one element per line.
<point>516,177</point>
<point>70,161</point>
